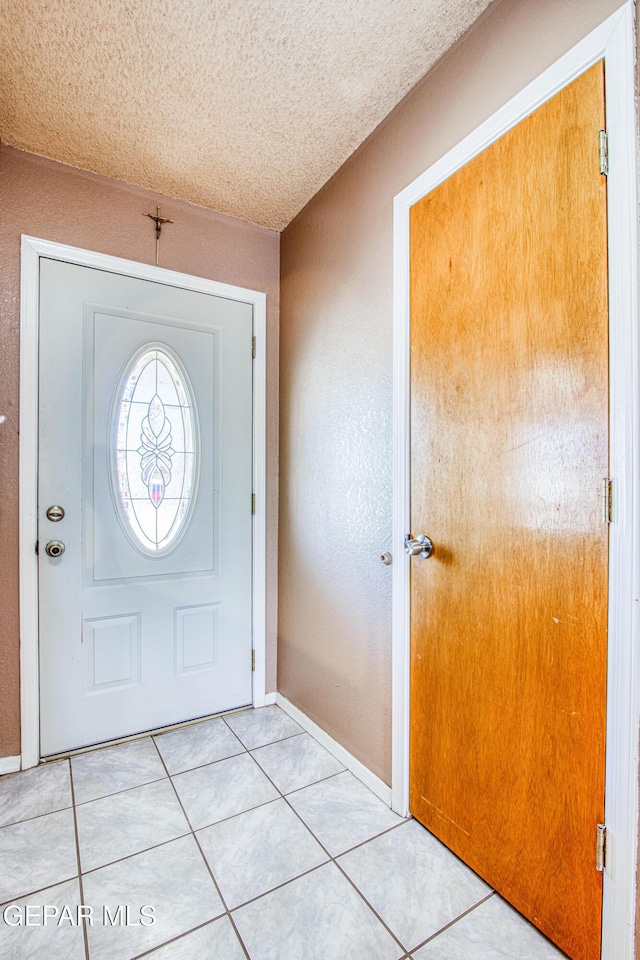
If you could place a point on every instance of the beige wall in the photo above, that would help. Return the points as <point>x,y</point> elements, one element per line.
<point>334,634</point>
<point>60,203</point>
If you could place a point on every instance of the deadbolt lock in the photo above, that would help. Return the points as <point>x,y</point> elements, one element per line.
<point>55,513</point>
<point>55,548</point>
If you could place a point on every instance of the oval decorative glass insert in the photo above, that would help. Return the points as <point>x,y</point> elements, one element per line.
<point>154,450</point>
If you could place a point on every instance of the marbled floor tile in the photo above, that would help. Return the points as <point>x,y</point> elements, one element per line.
<point>111,769</point>
<point>173,879</point>
<point>128,822</point>
<point>341,812</point>
<point>222,790</point>
<point>259,850</point>
<point>296,762</point>
<point>55,939</point>
<point>319,917</point>
<point>196,745</point>
<point>215,941</point>
<point>414,883</point>
<point>34,792</point>
<point>37,853</point>
<point>256,728</point>
<point>493,931</point>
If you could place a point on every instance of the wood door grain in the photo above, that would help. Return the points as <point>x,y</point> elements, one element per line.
<point>509,434</point>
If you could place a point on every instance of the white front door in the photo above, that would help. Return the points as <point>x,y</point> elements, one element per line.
<point>146,445</point>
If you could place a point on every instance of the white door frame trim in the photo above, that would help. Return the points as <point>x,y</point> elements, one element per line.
<point>32,250</point>
<point>613,40</point>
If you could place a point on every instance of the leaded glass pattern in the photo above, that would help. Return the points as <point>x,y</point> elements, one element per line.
<point>155,446</point>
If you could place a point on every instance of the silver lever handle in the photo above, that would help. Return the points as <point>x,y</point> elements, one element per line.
<point>419,546</point>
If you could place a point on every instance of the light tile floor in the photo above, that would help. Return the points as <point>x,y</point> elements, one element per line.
<point>249,840</point>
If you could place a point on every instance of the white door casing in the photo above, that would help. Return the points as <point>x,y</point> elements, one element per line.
<point>119,330</point>
<point>613,41</point>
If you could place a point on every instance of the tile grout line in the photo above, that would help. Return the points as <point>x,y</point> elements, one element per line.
<point>347,877</point>
<point>136,737</point>
<point>206,826</point>
<point>266,803</point>
<point>334,859</point>
<point>371,907</point>
<point>168,776</point>
<point>209,763</point>
<point>158,736</point>
<point>237,932</point>
<point>227,910</point>
<point>33,893</point>
<point>331,860</point>
<point>279,886</point>
<point>117,793</point>
<point>154,846</point>
<point>80,883</point>
<point>279,740</point>
<point>14,823</point>
<point>178,937</point>
<point>206,863</point>
<point>453,922</point>
<point>162,843</point>
<point>332,776</point>
<point>281,796</point>
<point>232,816</point>
<point>313,782</point>
<point>375,836</point>
<point>129,856</point>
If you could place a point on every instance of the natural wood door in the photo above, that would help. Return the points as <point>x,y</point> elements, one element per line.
<point>509,434</point>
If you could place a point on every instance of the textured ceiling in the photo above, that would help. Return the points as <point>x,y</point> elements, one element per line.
<point>246,107</point>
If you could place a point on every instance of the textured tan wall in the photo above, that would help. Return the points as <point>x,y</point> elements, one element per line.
<point>56,202</point>
<point>334,634</point>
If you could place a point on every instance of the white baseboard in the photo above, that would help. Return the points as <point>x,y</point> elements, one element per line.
<point>269,699</point>
<point>9,765</point>
<point>357,768</point>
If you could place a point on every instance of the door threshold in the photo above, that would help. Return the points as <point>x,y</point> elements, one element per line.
<point>139,736</point>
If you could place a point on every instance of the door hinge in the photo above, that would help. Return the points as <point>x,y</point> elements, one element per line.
<point>253,661</point>
<point>601,847</point>
<point>37,548</point>
<point>607,500</point>
<point>253,347</point>
<point>253,504</point>
<point>603,144</point>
